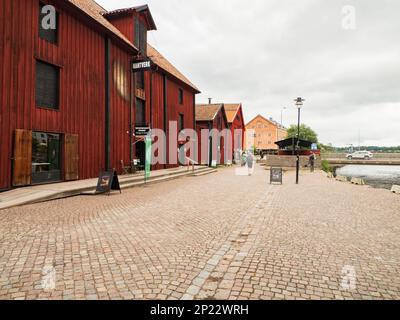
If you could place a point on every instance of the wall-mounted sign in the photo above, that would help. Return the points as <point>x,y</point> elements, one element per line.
<point>276,175</point>
<point>144,65</point>
<point>142,131</point>
<point>141,94</point>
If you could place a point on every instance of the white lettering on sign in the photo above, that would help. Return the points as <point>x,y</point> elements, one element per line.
<point>141,65</point>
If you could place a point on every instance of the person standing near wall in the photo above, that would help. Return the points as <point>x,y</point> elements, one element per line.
<point>312,162</point>
<point>250,162</point>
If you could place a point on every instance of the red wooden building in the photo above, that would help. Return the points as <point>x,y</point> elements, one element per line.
<point>213,117</point>
<point>234,115</point>
<point>69,101</point>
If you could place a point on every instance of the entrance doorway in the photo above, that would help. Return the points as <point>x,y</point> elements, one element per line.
<point>46,157</point>
<point>141,154</point>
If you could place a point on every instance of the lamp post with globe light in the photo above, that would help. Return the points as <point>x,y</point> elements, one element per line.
<point>299,103</point>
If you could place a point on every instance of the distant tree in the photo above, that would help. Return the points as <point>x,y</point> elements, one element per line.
<point>306,133</point>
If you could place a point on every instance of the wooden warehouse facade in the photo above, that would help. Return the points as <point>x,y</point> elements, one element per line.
<point>69,101</point>
<point>235,118</point>
<point>213,149</point>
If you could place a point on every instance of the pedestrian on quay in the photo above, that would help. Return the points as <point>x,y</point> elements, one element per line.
<point>312,162</point>
<point>250,162</point>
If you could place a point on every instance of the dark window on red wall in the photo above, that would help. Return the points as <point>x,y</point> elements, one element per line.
<point>140,80</point>
<point>181,122</point>
<point>219,123</point>
<point>140,113</point>
<point>47,85</point>
<point>50,35</point>
<point>140,37</point>
<point>180,96</point>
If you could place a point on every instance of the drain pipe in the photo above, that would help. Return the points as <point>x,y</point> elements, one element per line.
<point>107,103</point>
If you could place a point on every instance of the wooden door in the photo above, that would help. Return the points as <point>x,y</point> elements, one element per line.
<point>71,157</point>
<point>22,161</point>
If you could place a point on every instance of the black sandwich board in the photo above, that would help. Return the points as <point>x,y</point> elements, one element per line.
<point>276,175</point>
<point>108,180</point>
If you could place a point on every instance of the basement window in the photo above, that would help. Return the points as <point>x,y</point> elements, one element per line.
<point>181,122</point>
<point>140,119</point>
<point>47,85</point>
<point>180,96</point>
<point>140,37</point>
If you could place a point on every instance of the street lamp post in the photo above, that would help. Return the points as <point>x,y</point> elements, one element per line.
<point>299,103</point>
<point>284,108</point>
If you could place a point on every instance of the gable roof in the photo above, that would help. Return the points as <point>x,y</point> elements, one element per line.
<point>96,12</point>
<point>207,112</point>
<point>99,14</point>
<point>262,118</point>
<point>140,9</point>
<point>232,110</point>
<point>158,59</point>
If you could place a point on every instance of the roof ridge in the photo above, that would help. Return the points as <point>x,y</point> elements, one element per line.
<point>167,66</point>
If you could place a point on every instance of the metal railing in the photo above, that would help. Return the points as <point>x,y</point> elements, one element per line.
<point>192,163</point>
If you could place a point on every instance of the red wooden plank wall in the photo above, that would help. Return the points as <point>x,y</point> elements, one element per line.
<point>120,87</point>
<point>80,53</point>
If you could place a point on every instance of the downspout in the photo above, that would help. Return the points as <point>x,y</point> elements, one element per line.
<point>151,98</point>
<point>132,96</point>
<point>107,103</point>
<point>210,144</point>
<point>195,143</point>
<point>165,116</point>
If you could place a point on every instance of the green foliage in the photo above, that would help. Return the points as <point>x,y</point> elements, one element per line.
<point>326,166</point>
<point>306,133</point>
<point>326,148</point>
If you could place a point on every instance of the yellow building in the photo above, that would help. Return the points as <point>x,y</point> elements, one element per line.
<point>262,133</point>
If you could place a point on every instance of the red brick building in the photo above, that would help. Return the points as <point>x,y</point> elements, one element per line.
<point>69,101</point>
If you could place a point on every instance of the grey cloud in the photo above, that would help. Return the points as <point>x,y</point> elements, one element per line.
<point>265,53</point>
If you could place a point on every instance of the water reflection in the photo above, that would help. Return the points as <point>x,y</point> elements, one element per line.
<point>376,176</point>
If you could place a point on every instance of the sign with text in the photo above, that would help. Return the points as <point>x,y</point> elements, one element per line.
<point>139,66</point>
<point>276,175</point>
<point>108,180</point>
<point>142,131</point>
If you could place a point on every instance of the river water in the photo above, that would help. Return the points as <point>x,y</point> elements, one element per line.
<point>376,176</point>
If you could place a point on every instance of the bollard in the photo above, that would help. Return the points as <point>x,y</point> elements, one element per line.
<point>396,189</point>
<point>358,181</point>
<point>341,178</point>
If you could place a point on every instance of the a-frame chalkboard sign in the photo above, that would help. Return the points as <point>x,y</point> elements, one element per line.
<point>108,181</point>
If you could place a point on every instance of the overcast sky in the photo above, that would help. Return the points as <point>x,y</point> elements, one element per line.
<point>265,53</point>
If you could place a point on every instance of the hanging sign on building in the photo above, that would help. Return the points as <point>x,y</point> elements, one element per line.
<point>142,131</point>
<point>143,65</point>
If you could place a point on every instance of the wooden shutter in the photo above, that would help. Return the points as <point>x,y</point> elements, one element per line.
<point>71,155</point>
<point>22,161</point>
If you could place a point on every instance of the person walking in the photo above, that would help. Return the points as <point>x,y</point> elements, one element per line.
<point>250,162</point>
<point>312,162</point>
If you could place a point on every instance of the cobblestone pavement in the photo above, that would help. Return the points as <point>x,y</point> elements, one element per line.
<point>220,236</point>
